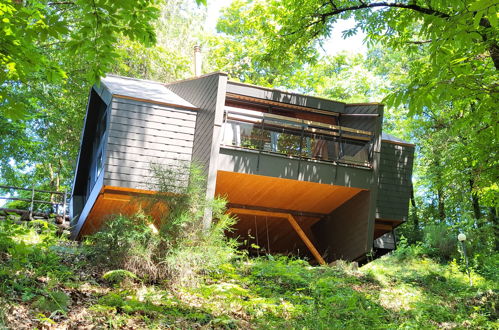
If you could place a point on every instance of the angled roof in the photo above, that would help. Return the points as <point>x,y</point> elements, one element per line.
<point>144,90</point>
<point>282,96</point>
<point>395,140</point>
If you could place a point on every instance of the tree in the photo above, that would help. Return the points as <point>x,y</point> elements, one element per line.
<point>178,29</point>
<point>459,40</point>
<point>49,86</point>
<point>37,34</point>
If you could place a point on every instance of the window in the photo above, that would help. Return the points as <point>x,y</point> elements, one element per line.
<point>98,167</point>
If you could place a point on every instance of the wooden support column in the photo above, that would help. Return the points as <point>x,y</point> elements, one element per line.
<point>305,239</point>
<point>293,223</point>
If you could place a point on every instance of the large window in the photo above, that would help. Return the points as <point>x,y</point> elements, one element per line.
<point>293,137</point>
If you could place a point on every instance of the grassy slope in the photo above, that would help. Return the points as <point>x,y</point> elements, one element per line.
<point>46,282</point>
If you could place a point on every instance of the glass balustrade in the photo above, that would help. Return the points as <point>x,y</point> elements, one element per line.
<point>296,138</point>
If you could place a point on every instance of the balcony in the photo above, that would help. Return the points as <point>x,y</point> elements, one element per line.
<point>296,138</point>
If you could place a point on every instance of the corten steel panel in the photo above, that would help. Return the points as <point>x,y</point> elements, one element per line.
<point>344,233</point>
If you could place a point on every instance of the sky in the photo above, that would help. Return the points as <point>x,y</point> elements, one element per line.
<point>333,46</point>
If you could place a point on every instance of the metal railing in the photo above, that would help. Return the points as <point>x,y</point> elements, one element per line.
<point>60,206</point>
<point>299,138</point>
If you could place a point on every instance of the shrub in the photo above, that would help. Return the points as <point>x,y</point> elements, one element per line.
<point>184,246</point>
<point>405,251</point>
<point>440,242</point>
<point>53,301</point>
<point>118,276</point>
<point>127,242</point>
<point>488,266</point>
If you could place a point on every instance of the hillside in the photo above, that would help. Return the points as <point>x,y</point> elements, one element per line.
<point>49,282</point>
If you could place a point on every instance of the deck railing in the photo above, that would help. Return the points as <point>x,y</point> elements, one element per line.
<point>298,138</point>
<point>57,200</point>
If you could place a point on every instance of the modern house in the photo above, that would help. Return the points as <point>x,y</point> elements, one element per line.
<point>304,175</point>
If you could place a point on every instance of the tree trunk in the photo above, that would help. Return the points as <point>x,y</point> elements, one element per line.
<point>51,172</point>
<point>441,203</point>
<point>415,219</point>
<point>493,218</point>
<point>475,203</point>
<point>440,189</point>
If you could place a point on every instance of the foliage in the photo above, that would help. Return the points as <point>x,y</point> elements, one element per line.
<point>458,38</point>
<point>440,242</point>
<point>52,302</point>
<point>177,245</point>
<point>37,33</point>
<point>118,276</point>
<point>41,148</point>
<point>266,292</point>
<point>30,269</point>
<point>178,29</point>
<point>241,49</point>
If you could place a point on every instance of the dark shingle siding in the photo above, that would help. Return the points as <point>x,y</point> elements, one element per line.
<point>203,94</point>
<point>394,181</point>
<point>141,134</point>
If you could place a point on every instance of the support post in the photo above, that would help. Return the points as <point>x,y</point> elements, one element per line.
<point>293,223</point>
<point>305,239</point>
<point>32,203</point>
<point>64,201</point>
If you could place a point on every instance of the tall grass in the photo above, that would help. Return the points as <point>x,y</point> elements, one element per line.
<point>176,245</point>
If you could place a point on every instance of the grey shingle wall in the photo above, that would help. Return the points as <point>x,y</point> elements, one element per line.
<point>359,122</point>
<point>203,93</point>
<point>394,181</point>
<point>141,134</point>
<point>344,233</point>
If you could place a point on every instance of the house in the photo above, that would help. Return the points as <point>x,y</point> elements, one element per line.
<point>304,175</point>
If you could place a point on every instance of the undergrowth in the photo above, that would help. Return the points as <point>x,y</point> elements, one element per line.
<point>48,282</point>
<point>172,271</point>
<point>172,242</point>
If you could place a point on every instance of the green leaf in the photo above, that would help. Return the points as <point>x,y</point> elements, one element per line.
<point>479,5</point>
<point>492,16</point>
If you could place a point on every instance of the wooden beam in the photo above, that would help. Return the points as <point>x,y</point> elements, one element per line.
<point>380,226</point>
<point>293,223</point>
<point>275,210</point>
<point>305,239</point>
<point>258,212</point>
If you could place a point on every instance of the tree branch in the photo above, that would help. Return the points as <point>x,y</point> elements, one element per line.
<point>493,47</point>
<point>61,3</point>
<point>363,5</point>
<point>419,42</point>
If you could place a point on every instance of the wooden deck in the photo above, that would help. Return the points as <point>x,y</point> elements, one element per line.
<point>277,214</point>
<point>118,200</point>
<point>277,193</point>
